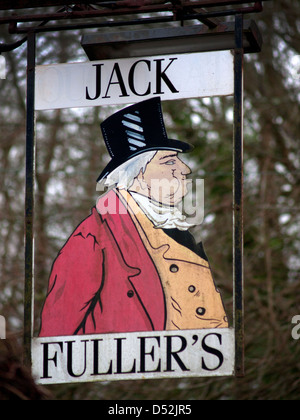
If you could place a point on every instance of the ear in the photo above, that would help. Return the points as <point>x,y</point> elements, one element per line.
<point>139,183</point>
<point>141,180</point>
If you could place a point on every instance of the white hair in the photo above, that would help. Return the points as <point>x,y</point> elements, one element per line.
<point>123,177</point>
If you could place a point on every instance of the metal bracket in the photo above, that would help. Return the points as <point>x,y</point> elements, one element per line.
<point>177,10</point>
<point>238,236</point>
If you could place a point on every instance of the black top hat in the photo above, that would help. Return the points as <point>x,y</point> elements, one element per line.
<point>135,130</point>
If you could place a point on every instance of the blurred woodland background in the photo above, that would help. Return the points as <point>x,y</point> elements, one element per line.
<point>71,154</point>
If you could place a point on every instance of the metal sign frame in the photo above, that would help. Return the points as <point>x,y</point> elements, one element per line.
<point>237,200</point>
<point>238,232</point>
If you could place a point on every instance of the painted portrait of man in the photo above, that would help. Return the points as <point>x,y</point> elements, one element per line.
<point>133,265</point>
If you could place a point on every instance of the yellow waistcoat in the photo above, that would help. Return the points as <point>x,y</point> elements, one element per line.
<point>192,299</point>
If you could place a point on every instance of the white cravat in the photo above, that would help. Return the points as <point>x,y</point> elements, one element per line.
<point>162,216</point>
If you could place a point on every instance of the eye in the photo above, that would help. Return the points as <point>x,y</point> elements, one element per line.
<point>170,162</point>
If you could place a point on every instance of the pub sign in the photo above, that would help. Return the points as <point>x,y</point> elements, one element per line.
<point>131,294</point>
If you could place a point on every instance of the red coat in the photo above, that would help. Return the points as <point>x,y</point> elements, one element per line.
<point>103,281</point>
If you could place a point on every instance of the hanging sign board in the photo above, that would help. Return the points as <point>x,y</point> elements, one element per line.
<point>111,357</point>
<point>131,295</point>
<point>124,81</point>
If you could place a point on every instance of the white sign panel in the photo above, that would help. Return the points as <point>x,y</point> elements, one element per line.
<point>167,354</point>
<point>122,81</point>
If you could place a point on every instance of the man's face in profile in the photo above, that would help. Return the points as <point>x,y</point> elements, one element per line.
<point>165,179</point>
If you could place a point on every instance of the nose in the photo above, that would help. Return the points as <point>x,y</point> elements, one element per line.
<point>184,169</point>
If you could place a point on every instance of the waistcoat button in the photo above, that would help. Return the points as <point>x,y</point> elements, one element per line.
<point>200,311</point>
<point>174,268</point>
<point>192,289</point>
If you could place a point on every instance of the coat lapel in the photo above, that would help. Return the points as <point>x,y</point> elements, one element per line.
<point>144,279</point>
